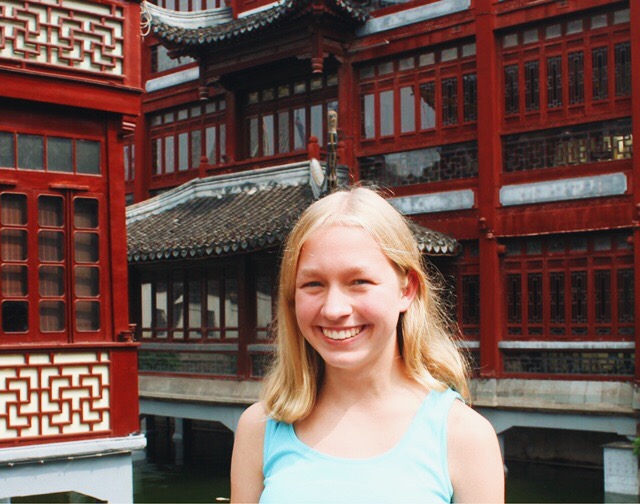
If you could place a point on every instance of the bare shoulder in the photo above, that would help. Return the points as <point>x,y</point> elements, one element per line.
<point>246,461</point>
<point>475,462</point>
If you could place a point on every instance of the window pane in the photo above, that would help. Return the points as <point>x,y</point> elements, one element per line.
<point>52,316</point>
<point>211,145</point>
<point>532,85</point>
<point>514,299</point>
<point>579,297</point>
<point>183,151</point>
<point>576,77</point>
<point>386,113</point>
<point>368,116</point>
<point>162,307</point>
<point>145,307</point>
<point>450,101</point>
<point>231,306</point>
<point>268,140</point>
<point>86,213</point>
<point>253,137</point>
<point>300,129</point>
<point>511,90</point>
<point>86,247</point>
<point>177,297</point>
<point>263,300</point>
<point>88,157</point>
<point>15,316</point>
<point>623,68</point>
<point>554,81</point>
<point>317,123</point>
<point>600,79</point>
<point>59,154</point>
<point>87,281</point>
<point>407,110</point>
<point>14,280</point>
<point>51,281</point>
<point>169,159</point>
<point>30,152</point>
<point>428,105</point>
<point>223,142</point>
<point>283,132</point>
<point>603,296</point>
<point>51,246</point>
<point>534,302</point>
<point>156,152</point>
<point>6,150</point>
<point>195,304</point>
<point>625,296</point>
<point>14,245</point>
<point>87,315</point>
<point>556,293</point>
<point>14,209</point>
<point>213,301</point>
<point>196,148</point>
<point>50,211</point>
<point>470,97</point>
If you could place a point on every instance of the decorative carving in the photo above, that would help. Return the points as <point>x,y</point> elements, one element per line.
<point>78,35</point>
<point>51,394</point>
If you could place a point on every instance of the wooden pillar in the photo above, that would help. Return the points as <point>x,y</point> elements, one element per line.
<point>347,122</point>
<point>635,125</point>
<point>233,127</point>
<point>489,166</point>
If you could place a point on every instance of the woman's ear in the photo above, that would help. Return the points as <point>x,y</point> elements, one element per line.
<point>409,291</point>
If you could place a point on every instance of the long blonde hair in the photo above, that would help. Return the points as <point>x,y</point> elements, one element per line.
<point>427,343</point>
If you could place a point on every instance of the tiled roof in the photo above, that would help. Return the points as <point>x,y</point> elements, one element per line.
<point>227,215</point>
<point>217,25</point>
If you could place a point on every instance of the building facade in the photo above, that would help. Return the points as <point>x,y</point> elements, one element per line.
<point>70,89</point>
<point>506,125</point>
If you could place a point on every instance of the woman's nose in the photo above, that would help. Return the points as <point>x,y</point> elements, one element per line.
<point>336,304</point>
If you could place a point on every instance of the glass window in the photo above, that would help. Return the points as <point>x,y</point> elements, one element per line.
<point>386,113</point>
<point>427,105</point>
<point>88,157</point>
<point>30,152</point>
<point>407,110</point>
<point>6,150</point>
<point>60,154</point>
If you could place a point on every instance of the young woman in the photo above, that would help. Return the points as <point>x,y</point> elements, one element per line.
<point>363,403</point>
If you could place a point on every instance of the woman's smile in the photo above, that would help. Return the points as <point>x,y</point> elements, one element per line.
<point>341,334</point>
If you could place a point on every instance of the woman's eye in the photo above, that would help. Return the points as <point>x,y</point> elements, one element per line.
<point>311,284</point>
<point>361,281</point>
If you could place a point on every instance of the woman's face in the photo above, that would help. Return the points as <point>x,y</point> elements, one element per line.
<point>348,297</point>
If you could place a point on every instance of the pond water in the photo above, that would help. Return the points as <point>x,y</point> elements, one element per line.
<point>526,482</point>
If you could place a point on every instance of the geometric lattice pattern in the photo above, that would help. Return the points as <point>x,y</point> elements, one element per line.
<point>52,394</point>
<point>73,34</point>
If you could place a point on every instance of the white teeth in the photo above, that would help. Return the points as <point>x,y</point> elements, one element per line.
<point>341,334</point>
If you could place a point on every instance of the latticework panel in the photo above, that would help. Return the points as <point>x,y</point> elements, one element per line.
<point>53,394</point>
<point>71,34</point>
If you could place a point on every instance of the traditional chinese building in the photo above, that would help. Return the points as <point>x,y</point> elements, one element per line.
<point>506,125</point>
<point>70,86</point>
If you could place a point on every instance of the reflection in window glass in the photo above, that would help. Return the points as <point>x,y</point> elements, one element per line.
<point>183,151</point>
<point>316,123</point>
<point>231,306</point>
<point>51,280</point>
<point>177,312</point>
<point>211,145</point>
<point>428,105</point>
<point>87,315</point>
<point>30,152</point>
<point>15,316</point>
<point>86,213</point>
<point>88,157</point>
<point>145,308</point>
<point>169,163</point>
<point>196,143</point>
<point>195,308</point>
<point>13,245</point>
<point>52,316</point>
<point>86,246</point>
<point>87,281</point>
<point>386,113</point>
<point>268,139</point>
<point>59,154</point>
<point>223,141</point>
<point>14,209</point>
<point>368,116</point>
<point>300,128</point>
<point>50,211</point>
<point>50,246</point>
<point>14,280</point>
<point>7,159</point>
<point>407,110</point>
<point>253,137</point>
<point>263,303</point>
<point>283,132</point>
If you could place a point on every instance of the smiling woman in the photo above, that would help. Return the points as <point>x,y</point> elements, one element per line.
<point>364,401</point>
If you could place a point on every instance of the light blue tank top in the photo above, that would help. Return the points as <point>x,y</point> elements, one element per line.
<point>415,470</point>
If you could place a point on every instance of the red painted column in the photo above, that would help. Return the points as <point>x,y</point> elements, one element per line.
<point>635,125</point>
<point>489,165</point>
<point>347,122</point>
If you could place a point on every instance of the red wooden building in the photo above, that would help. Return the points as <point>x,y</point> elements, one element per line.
<point>70,86</point>
<point>505,124</point>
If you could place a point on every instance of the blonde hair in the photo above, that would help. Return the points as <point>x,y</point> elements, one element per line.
<point>427,344</point>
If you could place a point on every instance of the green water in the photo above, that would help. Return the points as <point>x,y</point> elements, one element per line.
<point>526,482</point>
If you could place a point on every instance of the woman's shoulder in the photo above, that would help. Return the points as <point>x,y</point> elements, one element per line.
<point>467,425</point>
<point>253,419</point>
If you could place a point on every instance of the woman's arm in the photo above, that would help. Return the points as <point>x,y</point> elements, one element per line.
<point>246,461</point>
<point>475,462</point>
